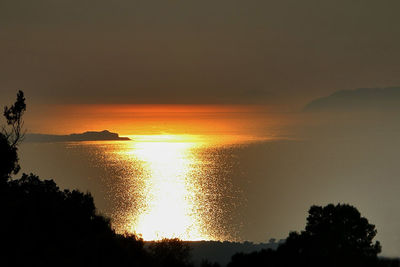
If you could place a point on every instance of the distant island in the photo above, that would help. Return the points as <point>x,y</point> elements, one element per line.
<point>363,99</point>
<point>86,136</point>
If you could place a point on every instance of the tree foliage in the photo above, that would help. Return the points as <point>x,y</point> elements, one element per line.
<point>335,235</point>
<point>8,160</point>
<point>14,120</point>
<point>10,136</point>
<point>342,229</point>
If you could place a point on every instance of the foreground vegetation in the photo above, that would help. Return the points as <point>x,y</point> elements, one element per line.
<point>335,235</point>
<point>44,225</point>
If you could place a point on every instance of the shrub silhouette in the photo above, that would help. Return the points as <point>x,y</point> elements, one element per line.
<point>170,253</point>
<point>207,263</point>
<point>264,257</point>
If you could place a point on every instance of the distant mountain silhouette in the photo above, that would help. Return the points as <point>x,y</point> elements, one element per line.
<point>86,136</point>
<point>378,99</point>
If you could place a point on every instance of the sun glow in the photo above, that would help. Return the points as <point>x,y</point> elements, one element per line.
<point>153,119</point>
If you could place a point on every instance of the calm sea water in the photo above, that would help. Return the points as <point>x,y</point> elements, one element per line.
<point>203,188</point>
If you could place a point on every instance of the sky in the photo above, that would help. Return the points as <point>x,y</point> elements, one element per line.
<point>281,54</point>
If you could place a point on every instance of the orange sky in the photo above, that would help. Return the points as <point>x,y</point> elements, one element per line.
<point>149,119</point>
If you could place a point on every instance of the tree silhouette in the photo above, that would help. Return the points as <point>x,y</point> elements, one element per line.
<point>10,136</point>
<point>13,116</point>
<point>8,160</point>
<point>334,236</point>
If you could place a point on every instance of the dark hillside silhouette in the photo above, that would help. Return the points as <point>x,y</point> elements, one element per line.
<point>47,226</point>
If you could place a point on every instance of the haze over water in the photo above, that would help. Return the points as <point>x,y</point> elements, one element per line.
<point>229,186</point>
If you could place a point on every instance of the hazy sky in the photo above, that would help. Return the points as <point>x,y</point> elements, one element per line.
<point>282,53</point>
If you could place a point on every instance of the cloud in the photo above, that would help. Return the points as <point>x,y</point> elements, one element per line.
<point>364,99</point>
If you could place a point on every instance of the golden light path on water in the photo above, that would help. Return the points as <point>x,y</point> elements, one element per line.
<point>170,187</point>
<point>169,198</point>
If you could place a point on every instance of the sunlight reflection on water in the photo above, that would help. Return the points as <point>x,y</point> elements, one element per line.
<point>171,186</point>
